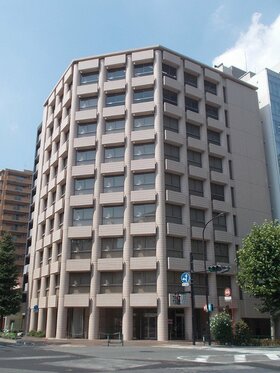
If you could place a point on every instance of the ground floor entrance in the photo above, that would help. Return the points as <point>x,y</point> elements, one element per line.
<point>144,323</point>
<point>176,324</point>
<point>77,322</point>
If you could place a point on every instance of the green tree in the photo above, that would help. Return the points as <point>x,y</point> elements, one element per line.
<point>259,264</point>
<point>221,328</point>
<point>10,294</point>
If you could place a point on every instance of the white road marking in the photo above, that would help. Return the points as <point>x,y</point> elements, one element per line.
<point>273,356</point>
<point>36,357</point>
<point>202,359</point>
<point>239,358</point>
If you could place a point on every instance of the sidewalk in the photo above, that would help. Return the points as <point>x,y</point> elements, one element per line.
<point>96,342</point>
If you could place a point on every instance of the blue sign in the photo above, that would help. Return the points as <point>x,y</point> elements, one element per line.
<point>185,277</point>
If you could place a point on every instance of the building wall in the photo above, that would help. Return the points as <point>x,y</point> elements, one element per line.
<point>134,288</point>
<point>15,191</point>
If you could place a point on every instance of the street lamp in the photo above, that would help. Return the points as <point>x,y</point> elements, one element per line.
<point>208,331</point>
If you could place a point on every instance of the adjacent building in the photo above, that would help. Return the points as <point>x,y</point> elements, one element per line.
<point>137,152</point>
<point>15,191</point>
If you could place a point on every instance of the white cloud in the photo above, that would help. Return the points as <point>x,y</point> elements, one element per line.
<point>255,49</point>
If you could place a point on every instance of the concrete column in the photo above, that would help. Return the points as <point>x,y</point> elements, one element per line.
<point>63,288</point>
<point>162,320</point>
<point>50,327</point>
<point>93,330</point>
<point>33,319</point>
<point>127,250</point>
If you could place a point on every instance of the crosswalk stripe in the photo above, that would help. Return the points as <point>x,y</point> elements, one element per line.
<point>202,359</point>
<point>273,357</point>
<point>239,358</point>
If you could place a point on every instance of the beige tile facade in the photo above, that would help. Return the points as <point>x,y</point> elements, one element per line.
<point>138,151</point>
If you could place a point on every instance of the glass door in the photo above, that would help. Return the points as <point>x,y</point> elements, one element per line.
<point>150,326</point>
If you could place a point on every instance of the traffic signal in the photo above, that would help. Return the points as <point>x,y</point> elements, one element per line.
<point>218,268</point>
<point>177,299</point>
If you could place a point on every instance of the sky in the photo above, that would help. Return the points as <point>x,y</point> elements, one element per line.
<point>40,38</point>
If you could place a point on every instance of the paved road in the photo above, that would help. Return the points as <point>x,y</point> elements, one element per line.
<point>136,358</point>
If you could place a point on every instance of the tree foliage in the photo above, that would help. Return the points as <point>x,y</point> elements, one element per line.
<point>221,328</point>
<point>259,264</point>
<point>10,294</point>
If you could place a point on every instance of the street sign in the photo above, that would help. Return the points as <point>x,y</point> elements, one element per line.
<point>185,278</point>
<point>185,284</point>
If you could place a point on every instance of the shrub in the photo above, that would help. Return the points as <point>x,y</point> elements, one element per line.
<point>34,333</point>
<point>221,328</point>
<point>8,335</point>
<point>242,336</point>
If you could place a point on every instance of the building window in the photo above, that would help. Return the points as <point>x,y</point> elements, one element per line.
<point>191,104</point>
<point>143,123</point>
<point>143,95</point>
<point>230,169</point>
<point>225,94</point>
<point>144,282</point>
<point>112,214</point>
<point>79,283</point>
<point>114,154</point>
<point>174,284</point>
<point>116,125</point>
<point>144,246</point>
<point>85,157</point>
<point>144,181</point>
<point>193,131</point>
<point>113,183</point>
<point>169,71</point>
<point>210,87</point>
<point>82,217</point>
<point>199,283</point>
<point>81,249</point>
<point>223,282</point>
<point>88,78</point>
<point>83,186</point>
<point>111,282</point>
<point>197,249</point>
<point>88,103</point>
<point>197,218</point>
<point>144,213</point>
<point>196,187</point>
<point>217,192</point>
<point>215,164</point>
<point>172,152</point>
<point>174,247</point>
<point>226,118</point>
<point>194,158</point>
<point>143,151</point>
<point>173,214</point>
<point>212,112</point>
<point>190,79</point>
<point>219,223</point>
<point>116,74</point>
<point>228,144</point>
<point>170,97</point>
<point>115,99</point>
<point>235,225</point>
<point>112,247</point>
<point>170,124</point>
<point>213,137</point>
<point>143,69</point>
<point>172,182</point>
<point>232,197</point>
<point>221,252</point>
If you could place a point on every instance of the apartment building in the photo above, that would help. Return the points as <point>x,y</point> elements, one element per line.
<point>15,192</point>
<point>138,151</point>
